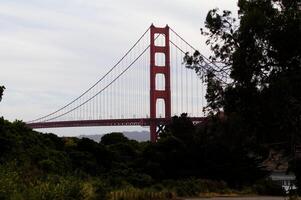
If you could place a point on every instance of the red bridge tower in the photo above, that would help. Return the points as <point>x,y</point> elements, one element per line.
<point>156,94</point>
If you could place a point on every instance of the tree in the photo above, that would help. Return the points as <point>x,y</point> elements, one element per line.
<point>113,138</point>
<point>256,77</point>
<point>181,127</point>
<point>261,55</point>
<point>2,88</point>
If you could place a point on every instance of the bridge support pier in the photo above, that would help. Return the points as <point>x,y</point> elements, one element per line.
<point>153,132</point>
<point>156,130</point>
<point>155,94</point>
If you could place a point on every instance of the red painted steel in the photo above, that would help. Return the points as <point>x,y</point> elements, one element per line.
<point>107,122</point>
<point>154,70</point>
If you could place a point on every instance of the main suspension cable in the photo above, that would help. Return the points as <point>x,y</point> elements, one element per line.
<point>103,88</point>
<point>222,81</point>
<point>204,57</point>
<point>125,55</point>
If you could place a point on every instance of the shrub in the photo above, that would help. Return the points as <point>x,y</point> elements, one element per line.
<point>268,187</point>
<point>9,183</point>
<point>52,189</point>
<point>139,194</point>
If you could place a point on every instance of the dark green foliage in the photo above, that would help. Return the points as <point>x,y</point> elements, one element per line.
<point>2,88</point>
<point>113,138</point>
<point>181,127</point>
<point>165,159</point>
<point>44,166</point>
<point>15,185</point>
<point>193,187</point>
<point>261,54</point>
<point>267,187</point>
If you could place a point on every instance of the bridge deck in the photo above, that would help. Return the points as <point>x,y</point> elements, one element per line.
<point>106,122</point>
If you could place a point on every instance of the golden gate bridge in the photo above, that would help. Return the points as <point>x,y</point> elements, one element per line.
<point>145,87</point>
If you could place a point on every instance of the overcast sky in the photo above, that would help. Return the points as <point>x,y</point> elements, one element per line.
<point>52,50</point>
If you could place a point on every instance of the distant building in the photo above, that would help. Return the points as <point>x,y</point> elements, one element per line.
<point>287,181</point>
<point>298,152</point>
<point>277,163</point>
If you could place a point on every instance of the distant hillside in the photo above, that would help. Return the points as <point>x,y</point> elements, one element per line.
<point>139,136</point>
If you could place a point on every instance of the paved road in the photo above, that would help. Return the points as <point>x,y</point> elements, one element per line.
<point>240,198</point>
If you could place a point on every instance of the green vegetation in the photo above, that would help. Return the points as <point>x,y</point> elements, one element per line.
<point>137,194</point>
<point>258,112</point>
<point>2,88</point>
<point>44,166</point>
<point>260,54</point>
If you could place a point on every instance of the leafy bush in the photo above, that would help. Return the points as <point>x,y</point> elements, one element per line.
<point>268,187</point>
<point>55,190</point>
<point>194,187</point>
<point>9,182</point>
<point>138,194</point>
<point>44,166</point>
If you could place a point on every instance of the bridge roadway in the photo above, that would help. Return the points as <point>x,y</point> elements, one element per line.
<point>107,122</point>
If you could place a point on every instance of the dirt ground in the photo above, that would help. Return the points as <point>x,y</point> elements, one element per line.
<point>240,198</point>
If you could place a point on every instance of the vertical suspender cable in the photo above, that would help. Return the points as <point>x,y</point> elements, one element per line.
<point>176,83</point>
<point>185,95</point>
<point>192,93</point>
